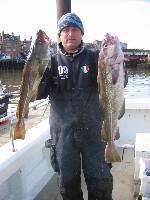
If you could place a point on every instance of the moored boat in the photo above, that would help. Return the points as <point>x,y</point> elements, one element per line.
<point>4,101</point>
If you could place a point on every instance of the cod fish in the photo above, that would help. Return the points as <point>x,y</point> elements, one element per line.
<point>32,75</point>
<point>111,89</point>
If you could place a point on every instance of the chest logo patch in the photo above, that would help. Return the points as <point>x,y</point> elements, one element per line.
<point>63,72</point>
<point>85,68</point>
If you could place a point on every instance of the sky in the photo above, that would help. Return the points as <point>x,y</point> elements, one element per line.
<point>127,19</point>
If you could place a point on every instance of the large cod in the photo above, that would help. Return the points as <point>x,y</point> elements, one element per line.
<point>32,75</point>
<point>111,87</point>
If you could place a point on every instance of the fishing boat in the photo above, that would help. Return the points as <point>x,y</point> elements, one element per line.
<point>26,172</point>
<point>4,101</point>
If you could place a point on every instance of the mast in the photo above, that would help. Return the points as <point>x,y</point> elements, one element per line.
<point>63,6</point>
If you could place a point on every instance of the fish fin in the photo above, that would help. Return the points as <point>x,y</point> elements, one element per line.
<point>98,83</point>
<point>111,154</point>
<point>103,132</point>
<point>122,110</point>
<point>26,114</point>
<point>33,98</point>
<point>26,109</point>
<point>17,112</point>
<point>117,136</point>
<point>19,131</point>
<point>115,75</point>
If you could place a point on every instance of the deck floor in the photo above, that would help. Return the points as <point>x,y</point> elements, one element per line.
<point>123,177</point>
<point>123,173</point>
<point>51,190</point>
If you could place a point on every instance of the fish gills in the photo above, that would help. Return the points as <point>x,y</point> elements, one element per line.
<point>32,75</point>
<point>111,86</point>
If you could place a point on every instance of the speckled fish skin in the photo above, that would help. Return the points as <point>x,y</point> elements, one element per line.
<point>111,86</point>
<point>32,75</point>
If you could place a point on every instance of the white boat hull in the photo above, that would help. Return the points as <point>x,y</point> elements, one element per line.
<point>26,171</point>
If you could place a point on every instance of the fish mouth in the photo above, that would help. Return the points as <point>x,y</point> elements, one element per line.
<point>110,39</point>
<point>42,37</point>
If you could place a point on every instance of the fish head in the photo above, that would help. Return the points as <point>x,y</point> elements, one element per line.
<point>111,56</point>
<point>40,54</point>
<point>41,45</point>
<point>110,48</point>
<point>111,45</point>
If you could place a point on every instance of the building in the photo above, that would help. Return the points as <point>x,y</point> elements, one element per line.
<point>11,47</point>
<point>98,43</point>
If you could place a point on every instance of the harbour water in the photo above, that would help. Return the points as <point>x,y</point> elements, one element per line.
<point>138,82</point>
<point>11,79</point>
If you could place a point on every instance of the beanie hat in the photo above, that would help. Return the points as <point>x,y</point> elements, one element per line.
<point>69,19</point>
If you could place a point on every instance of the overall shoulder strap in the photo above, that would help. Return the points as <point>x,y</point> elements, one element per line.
<point>93,56</point>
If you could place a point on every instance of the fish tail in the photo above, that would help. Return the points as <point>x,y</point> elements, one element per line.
<point>111,154</point>
<point>19,131</point>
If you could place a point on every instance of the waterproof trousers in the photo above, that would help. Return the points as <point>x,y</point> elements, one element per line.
<point>83,149</point>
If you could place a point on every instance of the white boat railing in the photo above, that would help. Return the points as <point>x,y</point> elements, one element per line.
<point>24,172</point>
<point>33,105</point>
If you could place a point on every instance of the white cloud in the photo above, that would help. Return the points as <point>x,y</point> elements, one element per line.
<point>128,19</point>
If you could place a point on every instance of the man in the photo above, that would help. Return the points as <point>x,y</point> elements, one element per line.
<point>75,116</point>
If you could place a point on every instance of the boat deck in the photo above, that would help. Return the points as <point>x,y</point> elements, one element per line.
<point>36,115</point>
<point>123,177</point>
<point>123,172</point>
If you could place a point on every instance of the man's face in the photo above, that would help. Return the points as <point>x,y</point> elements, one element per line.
<point>71,38</point>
